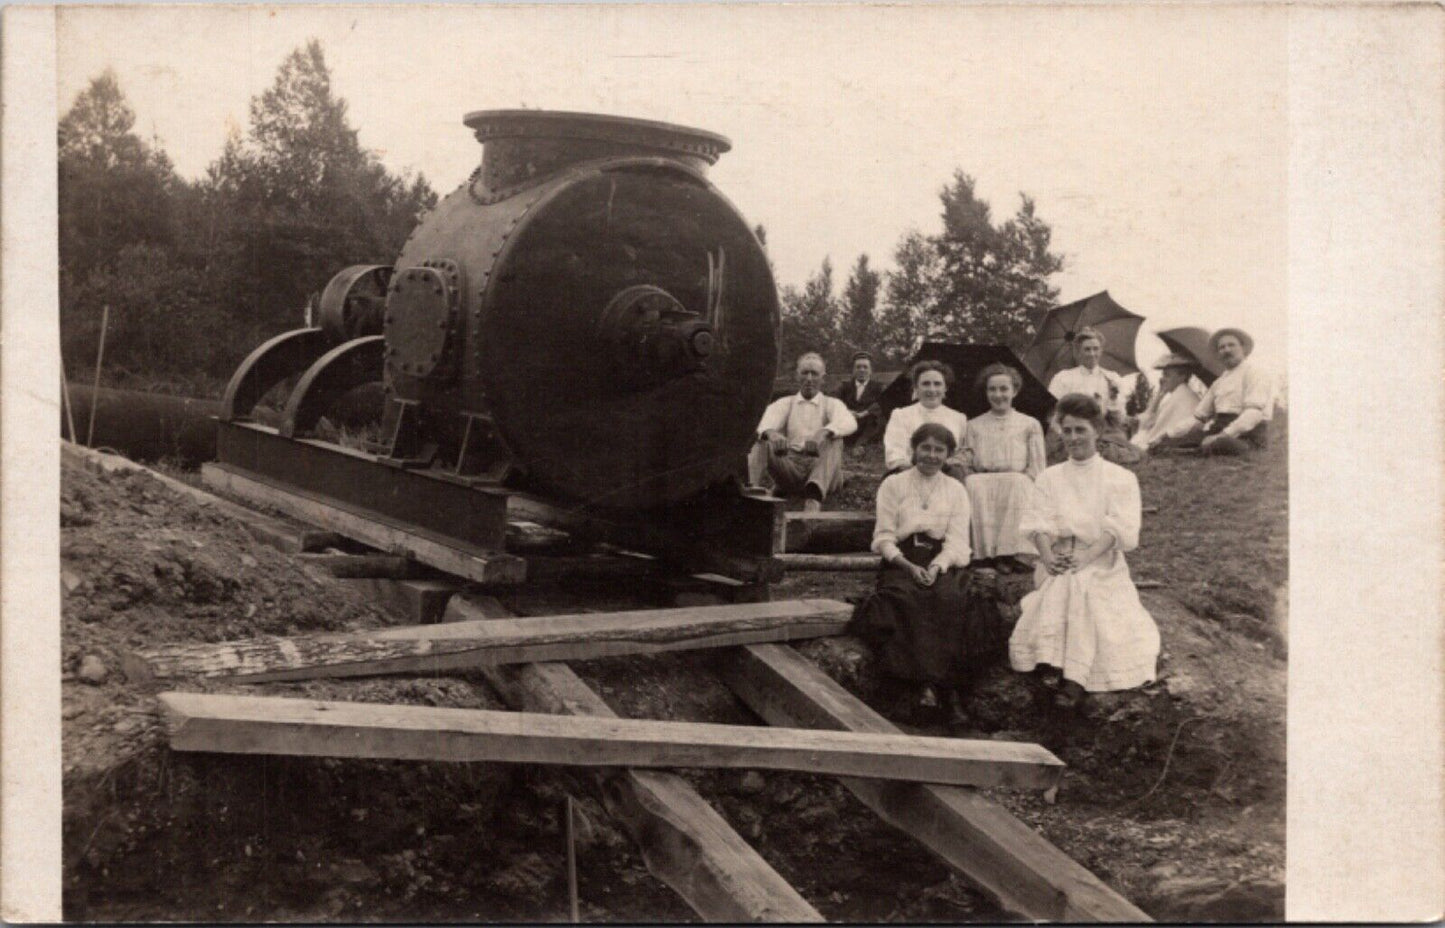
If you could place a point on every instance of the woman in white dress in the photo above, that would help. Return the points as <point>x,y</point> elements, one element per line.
<point>1004,455</point>
<point>922,620</point>
<point>931,380</point>
<point>1084,617</point>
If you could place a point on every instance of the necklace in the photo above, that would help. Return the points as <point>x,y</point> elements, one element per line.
<point>918,489</point>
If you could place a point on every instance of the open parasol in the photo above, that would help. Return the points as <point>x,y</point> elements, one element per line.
<point>968,361</point>
<point>1193,342</point>
<point>1053,347</point>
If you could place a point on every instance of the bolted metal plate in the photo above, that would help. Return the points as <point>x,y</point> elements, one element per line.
<point>421,319</point>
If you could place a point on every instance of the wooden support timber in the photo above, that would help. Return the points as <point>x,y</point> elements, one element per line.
<point>356,566</point>
<point>684,842</point>
<point>469,644</point>
<point>980,839</point>
<point>312,728</point>
<point>446,554</point>
<point>829,561</point>
<point>420,602</point>
<point>831,532</point>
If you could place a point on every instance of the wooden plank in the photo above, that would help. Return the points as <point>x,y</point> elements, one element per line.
<point>467,645</point>
<point>830,532</point>
<point>455,558</point>
<point>980,839</point>
<point>684,842</point>
<point>312,728</point>
<point>829,561</point>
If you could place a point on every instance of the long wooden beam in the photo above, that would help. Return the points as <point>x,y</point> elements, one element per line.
<point>980,839</point>
<point>829,561</point>
<point>469,644</point>
<point>684,842</point>
<point>311,728</point>
<point>456,558</point>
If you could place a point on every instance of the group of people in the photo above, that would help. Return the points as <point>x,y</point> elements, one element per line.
<point>968,493</point>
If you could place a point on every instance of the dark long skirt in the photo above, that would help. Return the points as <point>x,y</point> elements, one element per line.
<point>943,634</point>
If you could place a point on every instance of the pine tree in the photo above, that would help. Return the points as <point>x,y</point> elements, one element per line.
<point>860,307</point>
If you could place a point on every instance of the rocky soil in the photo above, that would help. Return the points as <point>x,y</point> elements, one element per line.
<point>1174,793</point>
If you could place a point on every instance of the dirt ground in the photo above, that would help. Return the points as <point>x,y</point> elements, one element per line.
<point>1174,793</point>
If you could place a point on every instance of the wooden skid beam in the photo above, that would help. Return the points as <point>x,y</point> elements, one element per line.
<point>980,839</point>
<point>829,532</point>
<point>469,644</point>
<point>829,561</point>
<point>461,560</point>
<point>312,728</point>
<point>684,842</point>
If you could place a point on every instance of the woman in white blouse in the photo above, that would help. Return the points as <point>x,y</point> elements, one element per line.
<point>1003,454</point>
<point>918,618</point>
<point>1084,619</point>
<point>931,380</point>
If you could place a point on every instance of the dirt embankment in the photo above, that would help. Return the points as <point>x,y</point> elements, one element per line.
<point>1174,793</point>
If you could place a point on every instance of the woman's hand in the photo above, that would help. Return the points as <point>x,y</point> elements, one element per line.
<point>1057,564</point>
<point>923,576</point>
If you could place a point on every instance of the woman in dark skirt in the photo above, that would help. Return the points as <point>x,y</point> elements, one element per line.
<point>919,620</point>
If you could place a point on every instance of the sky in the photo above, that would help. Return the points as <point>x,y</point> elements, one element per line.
<point>1153,138</point>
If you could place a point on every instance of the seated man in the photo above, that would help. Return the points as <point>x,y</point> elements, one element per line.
<point>1170,416</point>
<point>1238,406</point>
<point>861,395</point>
<point>800,439</point>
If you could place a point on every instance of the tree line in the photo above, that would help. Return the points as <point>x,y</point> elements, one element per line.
<point>976,281</point>
<point>197,273</point>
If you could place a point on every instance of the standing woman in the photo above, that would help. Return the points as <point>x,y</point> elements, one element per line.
<point>931,380</point>
<point>918,619</point>
<point>1084,618</point>
<point>1004,455</point>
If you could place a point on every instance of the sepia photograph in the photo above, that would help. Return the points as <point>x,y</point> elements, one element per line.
<point>652,463</point>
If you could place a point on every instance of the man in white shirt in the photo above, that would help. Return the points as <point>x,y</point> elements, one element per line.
<point>800,439</point>
<point>1090,378</point>
<point>1239,404</point>
<point>1170,416</point>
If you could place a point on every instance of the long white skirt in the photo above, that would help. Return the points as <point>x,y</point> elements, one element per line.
<point>997,502</point>
<point>1091,624</point>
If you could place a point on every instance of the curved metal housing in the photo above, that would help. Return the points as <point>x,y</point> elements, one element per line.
<point>567,211</point>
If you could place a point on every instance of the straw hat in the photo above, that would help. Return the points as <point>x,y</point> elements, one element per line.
<point>1240,334</point>
<point>1175,360</point>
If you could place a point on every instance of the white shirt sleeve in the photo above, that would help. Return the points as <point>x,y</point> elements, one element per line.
<point>956,551</point>
<point>840,419</point>
<point>775,416</point>
<point>1122,508</point>
<point>1040,515</point>
<point>895,439</point>
<point>885,529</point>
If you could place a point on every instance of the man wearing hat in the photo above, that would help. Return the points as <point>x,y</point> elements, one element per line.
<point>1239,404</point>
<point>861,395</point>
<point>1170,416</point>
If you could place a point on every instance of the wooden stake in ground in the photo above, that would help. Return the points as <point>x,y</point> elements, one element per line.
<point>311,728</point>
<point>571,862</point>
<point>99,358</point>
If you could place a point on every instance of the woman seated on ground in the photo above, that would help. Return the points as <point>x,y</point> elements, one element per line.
<point>931,380</point>
<point>919,620</point>
<point>1003,454</point>
<point>1084,618</point>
